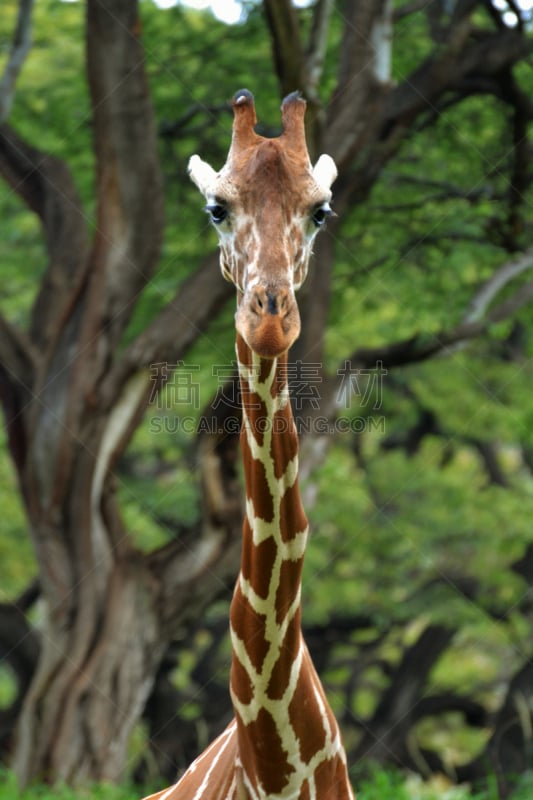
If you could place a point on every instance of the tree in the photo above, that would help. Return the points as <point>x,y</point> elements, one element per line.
<point>77,381</point>
<point>72,400</point>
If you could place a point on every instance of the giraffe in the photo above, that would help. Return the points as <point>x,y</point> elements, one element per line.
<point>267,204</point>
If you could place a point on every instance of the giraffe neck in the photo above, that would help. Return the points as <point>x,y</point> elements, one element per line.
<point>265,612</point>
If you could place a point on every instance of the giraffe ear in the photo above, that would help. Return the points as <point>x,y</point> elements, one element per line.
<point>202,174</point>
<point>325,171</point>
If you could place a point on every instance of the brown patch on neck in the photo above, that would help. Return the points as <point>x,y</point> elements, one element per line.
<point>257,561</point>
<point>331,779</point>
<point>241,685</point>
<point>292,515</point>
<point>284,444</point>
<point>257,488</point>
<point>263,757</point>
<point>249,626</point>
<point>281,674</point>
<point>306,716</point>
<point>288,588</point>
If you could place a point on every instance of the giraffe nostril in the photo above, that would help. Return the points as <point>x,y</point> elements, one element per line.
<point>272,303</point>
<point>267,302</point>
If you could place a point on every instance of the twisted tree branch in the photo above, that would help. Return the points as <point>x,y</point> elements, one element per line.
<point>20,48</point>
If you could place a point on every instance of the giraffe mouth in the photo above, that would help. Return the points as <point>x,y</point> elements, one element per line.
<point>268,320</point>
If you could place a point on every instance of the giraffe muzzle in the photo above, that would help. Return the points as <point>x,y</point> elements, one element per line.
<point>268,319</point>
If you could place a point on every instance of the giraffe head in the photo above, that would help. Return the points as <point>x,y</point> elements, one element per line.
<point>267,204</point>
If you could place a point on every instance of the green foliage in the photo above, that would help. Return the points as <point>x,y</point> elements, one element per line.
<point>393,785</point>
<point>8,687</point>
<point>59,110</point>
<point>380,785</point>
<point>16,554</point>
<point>393,533</point>
<point>10,791</point>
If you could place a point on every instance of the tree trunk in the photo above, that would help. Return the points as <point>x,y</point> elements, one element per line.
<point>79,714</point>
<point>72,399</point>
<point>110,611</point>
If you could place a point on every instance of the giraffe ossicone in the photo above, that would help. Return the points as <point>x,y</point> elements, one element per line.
<point>267,204</point>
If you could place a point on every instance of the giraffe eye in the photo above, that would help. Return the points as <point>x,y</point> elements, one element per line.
<point>217,212</point>
<point>320,214</point>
